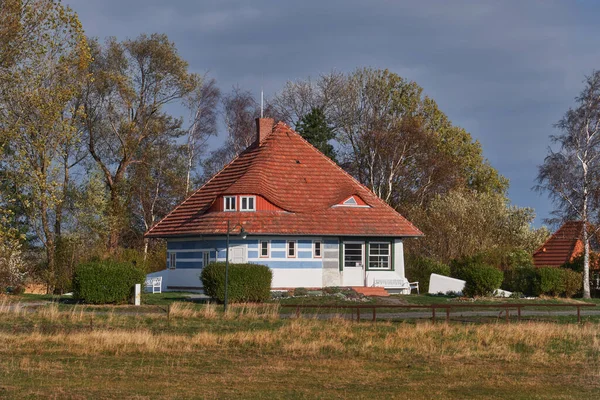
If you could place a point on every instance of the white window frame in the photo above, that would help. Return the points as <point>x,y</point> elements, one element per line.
<point>260,248</point>
<point>172,260</point>
<point>225,198</point>
<point>389,257</point>
<point>247,198</point>
<point>320,255</point>
<point>363,255</point>
<point>287,249</point>
<point>205,258</point>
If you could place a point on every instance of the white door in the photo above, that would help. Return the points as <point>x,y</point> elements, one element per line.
<point>237,255</point>
<point>354,264</point>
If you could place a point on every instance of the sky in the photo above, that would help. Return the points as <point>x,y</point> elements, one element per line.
<point>506,71</point>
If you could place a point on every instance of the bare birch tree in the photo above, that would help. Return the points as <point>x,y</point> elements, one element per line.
<point>571,175</point>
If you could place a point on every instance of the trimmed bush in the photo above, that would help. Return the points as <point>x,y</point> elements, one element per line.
<point>572,281</point>
<point>103,282</point>
<point>247,282</point>
<point>419,269</point>
<point>521,279</point>
<point>481,279</point>
<point>550,281</point>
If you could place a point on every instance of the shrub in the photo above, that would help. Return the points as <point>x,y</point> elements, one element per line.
<point>332,290</point>
<point>13,270</point>
<point>481,279</point>
<point>572,281</point>
<point>419,269</point>
<point>550,281</point>
<point>107,281</point>
<point>300,291</point>
<point>18,290</point>
<point>247,282</point>
<point>521,279</point>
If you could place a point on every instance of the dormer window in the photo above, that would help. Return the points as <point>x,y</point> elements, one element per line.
<point>247,203</point>
<point>352,201</point>
<point>229,203</point>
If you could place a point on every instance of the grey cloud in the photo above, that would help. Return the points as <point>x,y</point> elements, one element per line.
<point>505,71</point>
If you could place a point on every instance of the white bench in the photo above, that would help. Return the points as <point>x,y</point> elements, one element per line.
<point>400,284</point>
<point>155,284</point>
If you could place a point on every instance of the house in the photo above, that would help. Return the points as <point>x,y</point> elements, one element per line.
<point>563,246</point>
<point>302,215</point>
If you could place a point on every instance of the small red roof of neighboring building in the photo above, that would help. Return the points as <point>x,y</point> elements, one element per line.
<point>293,175</point>
<point>564,245</point>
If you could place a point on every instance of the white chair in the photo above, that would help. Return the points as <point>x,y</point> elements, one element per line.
<point>155,284</point>
<point>412,286</point>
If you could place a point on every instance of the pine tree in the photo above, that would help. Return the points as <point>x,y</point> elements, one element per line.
<point>314,128</point>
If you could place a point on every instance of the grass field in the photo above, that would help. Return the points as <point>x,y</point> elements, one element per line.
<point>252,353</point>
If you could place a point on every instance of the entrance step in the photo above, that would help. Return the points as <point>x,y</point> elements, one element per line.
<point>371,291</point>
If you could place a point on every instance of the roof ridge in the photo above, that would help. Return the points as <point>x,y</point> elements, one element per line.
<point>379,199</point>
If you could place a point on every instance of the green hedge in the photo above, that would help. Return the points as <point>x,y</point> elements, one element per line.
<point>481,279</point>
<point>573,282</point>
<point>521,280</point>
<point>102,282</point>
<point>247,282</point>
<point>419,269</point>
<point>550,281</point>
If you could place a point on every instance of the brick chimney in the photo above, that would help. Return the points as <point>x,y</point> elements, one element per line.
<point>264,127</point>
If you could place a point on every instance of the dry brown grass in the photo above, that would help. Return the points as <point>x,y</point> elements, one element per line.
<point>8,307</point>
<point>50,312</point>
<point>540,341</point>
<point>253,311</point>
<point>239,356</point>
<point>234,311</point>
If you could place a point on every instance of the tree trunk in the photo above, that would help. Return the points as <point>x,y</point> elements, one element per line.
<point>115,223</point>
<point>146,242</point>
<point>586,239</point>
<point>59,205</point>
<point>586,262</point>
<point>49,245</point>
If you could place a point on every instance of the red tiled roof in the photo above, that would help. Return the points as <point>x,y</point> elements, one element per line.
<point>565,244</point>
<point>292,174</point>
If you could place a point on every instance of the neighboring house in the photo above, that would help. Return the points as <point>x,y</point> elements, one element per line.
<point>303,216</point>
<point>563,246</point>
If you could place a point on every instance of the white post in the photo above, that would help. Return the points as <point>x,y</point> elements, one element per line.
<point>138,294</point>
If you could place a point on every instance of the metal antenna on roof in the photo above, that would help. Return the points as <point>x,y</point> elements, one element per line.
<point>262,107</point>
